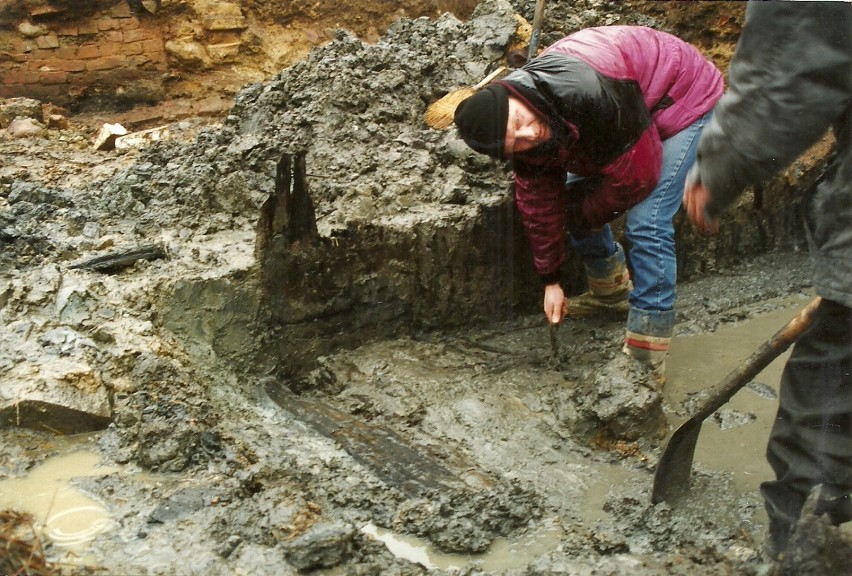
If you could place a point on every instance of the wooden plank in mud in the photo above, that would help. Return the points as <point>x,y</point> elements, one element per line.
<point>122,259</point>
<point>395,461</point>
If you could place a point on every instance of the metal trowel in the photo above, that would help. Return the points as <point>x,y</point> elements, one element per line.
<point>554,341</point>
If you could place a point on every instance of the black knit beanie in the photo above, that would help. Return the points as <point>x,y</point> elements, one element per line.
<point>481,120</point>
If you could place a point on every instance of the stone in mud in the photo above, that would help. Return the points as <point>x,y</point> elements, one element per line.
<point>728,419</point>
<point>105,140</point>
<point>19,108</point>
<point>183,503</point>
<point>466,522</point>
<point>619,402</point>
<point>322,546</point>
<point>25,127</point>
<point>166,446</point>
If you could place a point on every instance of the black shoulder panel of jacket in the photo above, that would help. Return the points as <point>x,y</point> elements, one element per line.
<point>609,113</point>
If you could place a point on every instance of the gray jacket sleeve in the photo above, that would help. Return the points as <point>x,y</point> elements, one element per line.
<point>788,81</point>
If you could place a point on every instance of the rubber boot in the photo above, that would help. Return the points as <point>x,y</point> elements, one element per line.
<point>775,539</point>
<point>649,333</point>
<point>609,286</point>
<point>832,511</point>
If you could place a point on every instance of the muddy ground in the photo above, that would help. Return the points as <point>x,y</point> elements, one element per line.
<point>333,332</point>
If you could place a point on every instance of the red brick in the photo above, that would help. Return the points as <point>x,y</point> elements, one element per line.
<point>66,65</point>
<point>150,61</point>
<point>56,93</point>
<point>53,77</point>
<point>14,44</point>
<point>108,24</point>
<point>67,30</point>
<point>88,27</point>
<point>31,77</point>
<point>121,10</point>
<point>45,55</point>
<point>155,45</point>
<point>80,79</point>
<point>128,24</point>
<point>138,60</point>
<point>65,52</point>
<point>111,48</point>
<point>91,78</point>
<point>35,63</point>
<point>139,34</point>
<point>133,48</point>
<point>12,77</point>
<point>37,11</point>
<point>42,55</point>
<point>47,41</point>
<point>88,51</point>
<point>123,74</point>
<point>105,63</point>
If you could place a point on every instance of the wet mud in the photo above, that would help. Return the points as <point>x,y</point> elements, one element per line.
<point>459,440</point>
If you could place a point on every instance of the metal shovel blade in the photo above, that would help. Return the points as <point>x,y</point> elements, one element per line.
<point>671,479</point>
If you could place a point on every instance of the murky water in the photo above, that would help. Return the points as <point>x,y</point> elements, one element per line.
<point>61,512</point>
<point>503,554</point>
<point>734,439</point>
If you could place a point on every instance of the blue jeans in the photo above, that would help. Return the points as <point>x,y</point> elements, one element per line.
<point>649,228</point>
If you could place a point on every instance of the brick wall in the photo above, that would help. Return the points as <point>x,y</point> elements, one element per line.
<point>56,56</point>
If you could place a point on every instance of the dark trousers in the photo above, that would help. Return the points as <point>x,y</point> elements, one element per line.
<point>811,439</point>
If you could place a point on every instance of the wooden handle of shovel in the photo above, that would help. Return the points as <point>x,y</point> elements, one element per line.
<point>671,479</point>
<point>759,360</point>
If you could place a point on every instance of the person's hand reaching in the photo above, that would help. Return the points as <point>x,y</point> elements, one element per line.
<point>555,303</point>
<point>695,200</point>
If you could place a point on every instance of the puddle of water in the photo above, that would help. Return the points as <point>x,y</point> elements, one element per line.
<point>502,555</point>
<point>700,362</point>
<point>591,507</point>
<point>60,511</point>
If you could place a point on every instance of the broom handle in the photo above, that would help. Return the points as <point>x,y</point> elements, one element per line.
<point>489,78</point>
<point>538,18</point>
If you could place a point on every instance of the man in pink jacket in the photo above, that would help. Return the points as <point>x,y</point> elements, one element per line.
<point>603,123</point>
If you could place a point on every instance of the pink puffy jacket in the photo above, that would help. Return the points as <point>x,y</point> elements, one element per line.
<point>611,95</point>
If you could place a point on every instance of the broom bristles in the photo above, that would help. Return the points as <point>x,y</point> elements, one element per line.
<point>440,113</point>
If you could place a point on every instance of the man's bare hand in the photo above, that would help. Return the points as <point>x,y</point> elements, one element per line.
<point>695,200</point>
<point>555,304</point>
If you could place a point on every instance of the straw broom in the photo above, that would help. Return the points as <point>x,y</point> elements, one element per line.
<point>440,113</point>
